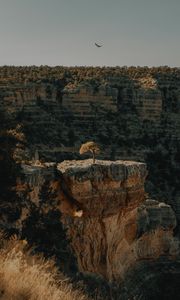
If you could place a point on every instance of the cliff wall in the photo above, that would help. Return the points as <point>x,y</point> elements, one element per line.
<point>119,227</point>
<point>121,235</point>
<point>133,113</point>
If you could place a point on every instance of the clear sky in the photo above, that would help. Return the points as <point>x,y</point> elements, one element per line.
<point>63,32</point>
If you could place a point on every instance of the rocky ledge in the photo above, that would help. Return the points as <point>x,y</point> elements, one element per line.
<point>110,223</point>
<point>105,187</point>
<point>119,227</point>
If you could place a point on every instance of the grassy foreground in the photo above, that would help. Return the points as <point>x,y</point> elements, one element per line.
<point>27,277</point>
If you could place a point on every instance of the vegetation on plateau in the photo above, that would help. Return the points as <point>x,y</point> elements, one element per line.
<point>90,147</point>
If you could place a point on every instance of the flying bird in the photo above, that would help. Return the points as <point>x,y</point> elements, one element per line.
<point>97,45</point>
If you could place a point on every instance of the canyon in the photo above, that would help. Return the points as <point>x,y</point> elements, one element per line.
<point>123,235</point>
<point>133,113</point>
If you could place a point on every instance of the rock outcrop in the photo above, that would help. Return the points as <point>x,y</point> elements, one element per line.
<point>133,113</point>
<point>120,234</point>
<point>119,227</point>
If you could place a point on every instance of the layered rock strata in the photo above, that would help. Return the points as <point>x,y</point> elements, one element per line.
<point>133,113</point>
<point>119,227</point>
<point>120,235</point>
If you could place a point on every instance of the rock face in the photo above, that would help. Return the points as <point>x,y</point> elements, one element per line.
<point>105,187</point>
<point>118,228</point>
<point>133,113</point>
<point>121,235</point>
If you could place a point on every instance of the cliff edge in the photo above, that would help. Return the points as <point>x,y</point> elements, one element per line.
<point>114,231</point>
<point>119,227</point>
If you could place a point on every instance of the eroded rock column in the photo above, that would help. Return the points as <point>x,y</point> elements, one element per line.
<point>119,227</point>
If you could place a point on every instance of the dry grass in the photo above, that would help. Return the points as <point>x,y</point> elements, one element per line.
<point>26,277</point>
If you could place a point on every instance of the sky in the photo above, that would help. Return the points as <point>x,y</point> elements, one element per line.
<point>63,32</point>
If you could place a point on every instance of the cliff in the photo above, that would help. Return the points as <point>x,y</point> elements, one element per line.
<point>119,227</point>
<point>133,113</point>
<point>119,231</point>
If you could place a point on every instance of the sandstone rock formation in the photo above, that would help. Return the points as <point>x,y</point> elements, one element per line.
<point>119,227</point>
<point>132,112</point>
<point>122,236</point>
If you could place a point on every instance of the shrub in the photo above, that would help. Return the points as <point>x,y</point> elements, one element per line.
<point>90,146</point>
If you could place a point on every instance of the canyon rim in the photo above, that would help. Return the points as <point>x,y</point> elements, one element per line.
<point>129,230</point>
